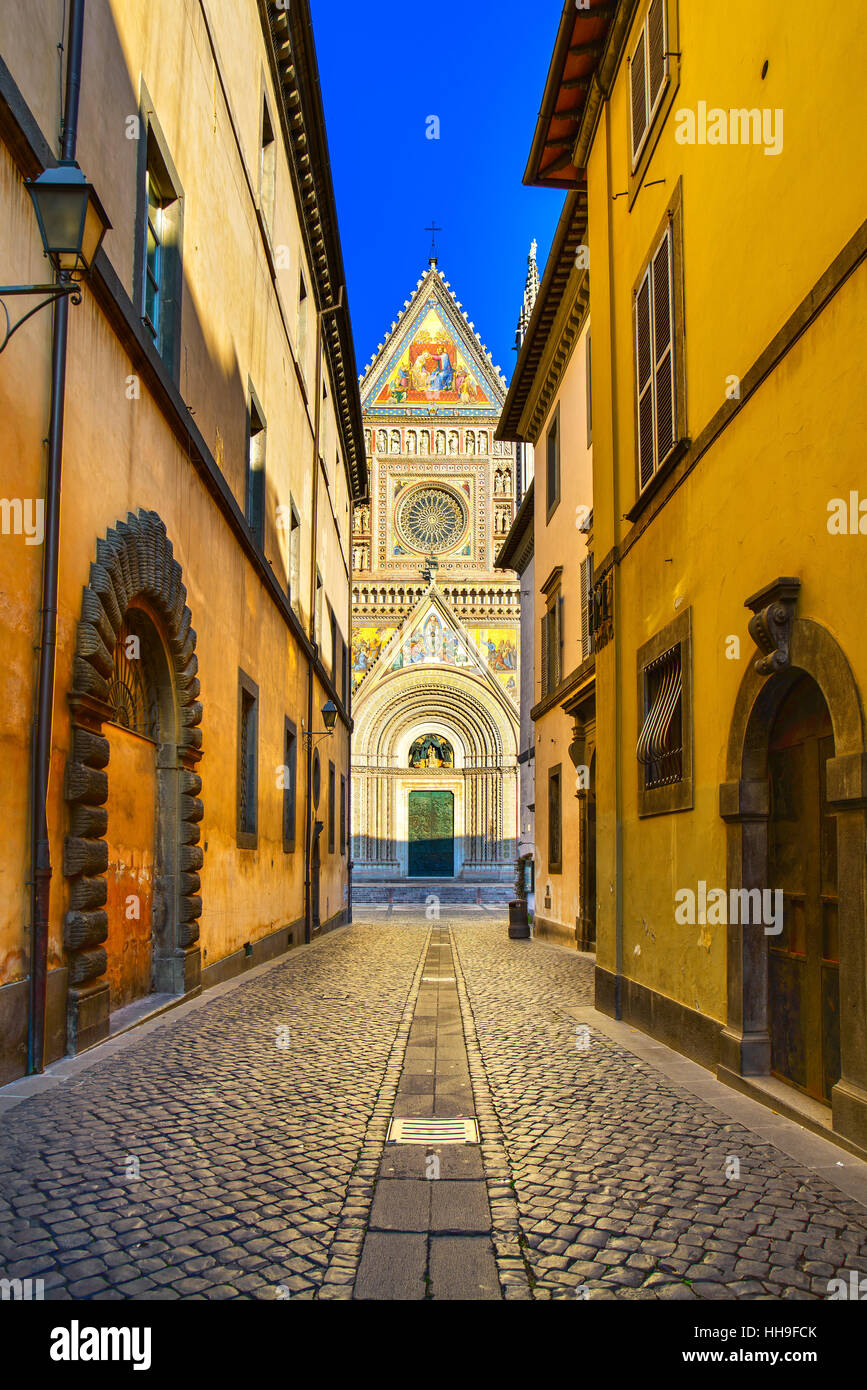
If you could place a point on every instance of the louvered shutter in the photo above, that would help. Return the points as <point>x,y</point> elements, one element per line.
<point>638,95</point>
<point>558,650</point>
<point>544,662</point>
<point>644,382</point>
<point>585,608</point>
<point>656,60</point>
<point>663,350</point>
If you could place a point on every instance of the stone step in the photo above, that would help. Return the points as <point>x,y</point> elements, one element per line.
<point>417,891</point>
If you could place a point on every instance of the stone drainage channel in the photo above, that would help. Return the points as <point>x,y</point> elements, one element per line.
<point>444,1222</point>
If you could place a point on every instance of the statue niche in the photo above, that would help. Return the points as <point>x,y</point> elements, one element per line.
<point>432,752</point>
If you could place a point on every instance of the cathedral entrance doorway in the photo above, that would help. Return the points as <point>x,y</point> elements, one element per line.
<point>431,834</point>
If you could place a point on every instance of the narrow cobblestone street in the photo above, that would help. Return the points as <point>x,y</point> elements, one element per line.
<point>236,1147</point>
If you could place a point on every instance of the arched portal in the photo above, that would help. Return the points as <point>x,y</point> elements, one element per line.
<point>435,765</point>
<point>131,783</point>
<point>795,806</point>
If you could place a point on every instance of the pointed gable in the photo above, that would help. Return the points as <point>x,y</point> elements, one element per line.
<point>431,635</point>
<point>432,361</point>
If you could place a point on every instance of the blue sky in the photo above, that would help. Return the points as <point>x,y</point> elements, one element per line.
<point>481,69</point>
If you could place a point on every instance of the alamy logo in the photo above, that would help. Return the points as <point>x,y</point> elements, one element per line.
<point>21,1290</point>
<point>857,1288</point>
<point>740,906</point>
<point>738,126</point>
<point>23,517</point>
<point>77,1343</point>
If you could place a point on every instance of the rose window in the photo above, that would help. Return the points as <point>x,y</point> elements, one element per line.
<point>432,520</point>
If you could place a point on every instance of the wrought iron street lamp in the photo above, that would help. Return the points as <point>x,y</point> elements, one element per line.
<point>72,223</point>
<point>329,718</point>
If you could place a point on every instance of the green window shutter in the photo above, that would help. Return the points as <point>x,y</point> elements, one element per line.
<point>638,95</point>
<point>663,351</point>
<point>644,382</point>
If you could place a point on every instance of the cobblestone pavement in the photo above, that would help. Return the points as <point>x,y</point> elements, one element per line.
<point>244,1148</point>
<point>206,1160</point>
<point>619,1173</point>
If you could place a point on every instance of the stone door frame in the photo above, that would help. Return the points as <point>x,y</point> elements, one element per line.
<point>134,568</point>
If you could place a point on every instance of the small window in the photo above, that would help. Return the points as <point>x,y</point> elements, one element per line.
<point>294,556</point>
<point>648,75</point>
<point>317,611</point>
<point>301,333</point>
<point>335,638</point>
<point>656,406</point>
<point>331,808</point>
<point>342,814</point>
<point>290,769</point>
<point>255,499</point>
<point>552,458</point>
<point>552,643</point>
<point>555,827</point>
<point>267,168</point>
<point>161,260</point>
<point>248,759</point>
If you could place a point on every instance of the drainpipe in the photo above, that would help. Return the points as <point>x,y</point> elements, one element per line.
<point>618,654</point>
<point>40,848</point>
<point>308,828</point>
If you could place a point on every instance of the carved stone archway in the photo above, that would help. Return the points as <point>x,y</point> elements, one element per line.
<point>134,567</point>
<point>745,806</point>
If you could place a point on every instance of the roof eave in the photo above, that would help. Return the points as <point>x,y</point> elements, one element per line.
<point>292,54</point>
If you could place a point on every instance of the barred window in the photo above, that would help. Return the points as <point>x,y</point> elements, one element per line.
<point>660,743</point>
<point>130,693</point>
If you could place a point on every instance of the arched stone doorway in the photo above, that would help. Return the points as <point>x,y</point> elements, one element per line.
<point>132,725</point>
<point>796,761</point>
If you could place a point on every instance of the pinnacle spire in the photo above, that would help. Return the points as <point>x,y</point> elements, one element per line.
<point>531,290</point>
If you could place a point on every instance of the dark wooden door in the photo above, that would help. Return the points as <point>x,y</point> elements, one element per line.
<point>804,960</point>
<point>315,864</point>
<point>431,834</point>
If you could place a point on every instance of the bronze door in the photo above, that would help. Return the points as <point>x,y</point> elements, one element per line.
<point>431,834</point>
<point>803,961</point>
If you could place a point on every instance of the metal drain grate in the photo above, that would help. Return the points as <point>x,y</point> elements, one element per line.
<point>421,1129</point>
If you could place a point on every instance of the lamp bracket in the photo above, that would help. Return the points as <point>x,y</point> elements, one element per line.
<point>309,736</point>
<point>52,294</point>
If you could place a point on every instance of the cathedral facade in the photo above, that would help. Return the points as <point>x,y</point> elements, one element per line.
<point>435,666</point>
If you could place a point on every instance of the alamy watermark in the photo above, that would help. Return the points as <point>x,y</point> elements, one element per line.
<point>715,907</point>
<point>737,126</point>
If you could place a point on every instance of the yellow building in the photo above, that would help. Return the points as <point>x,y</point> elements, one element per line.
<point>212,449</point>
<point>548,407</point>
<point>717,148</point>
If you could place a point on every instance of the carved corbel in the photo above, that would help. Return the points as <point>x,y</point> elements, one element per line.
<point>770,627</point>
